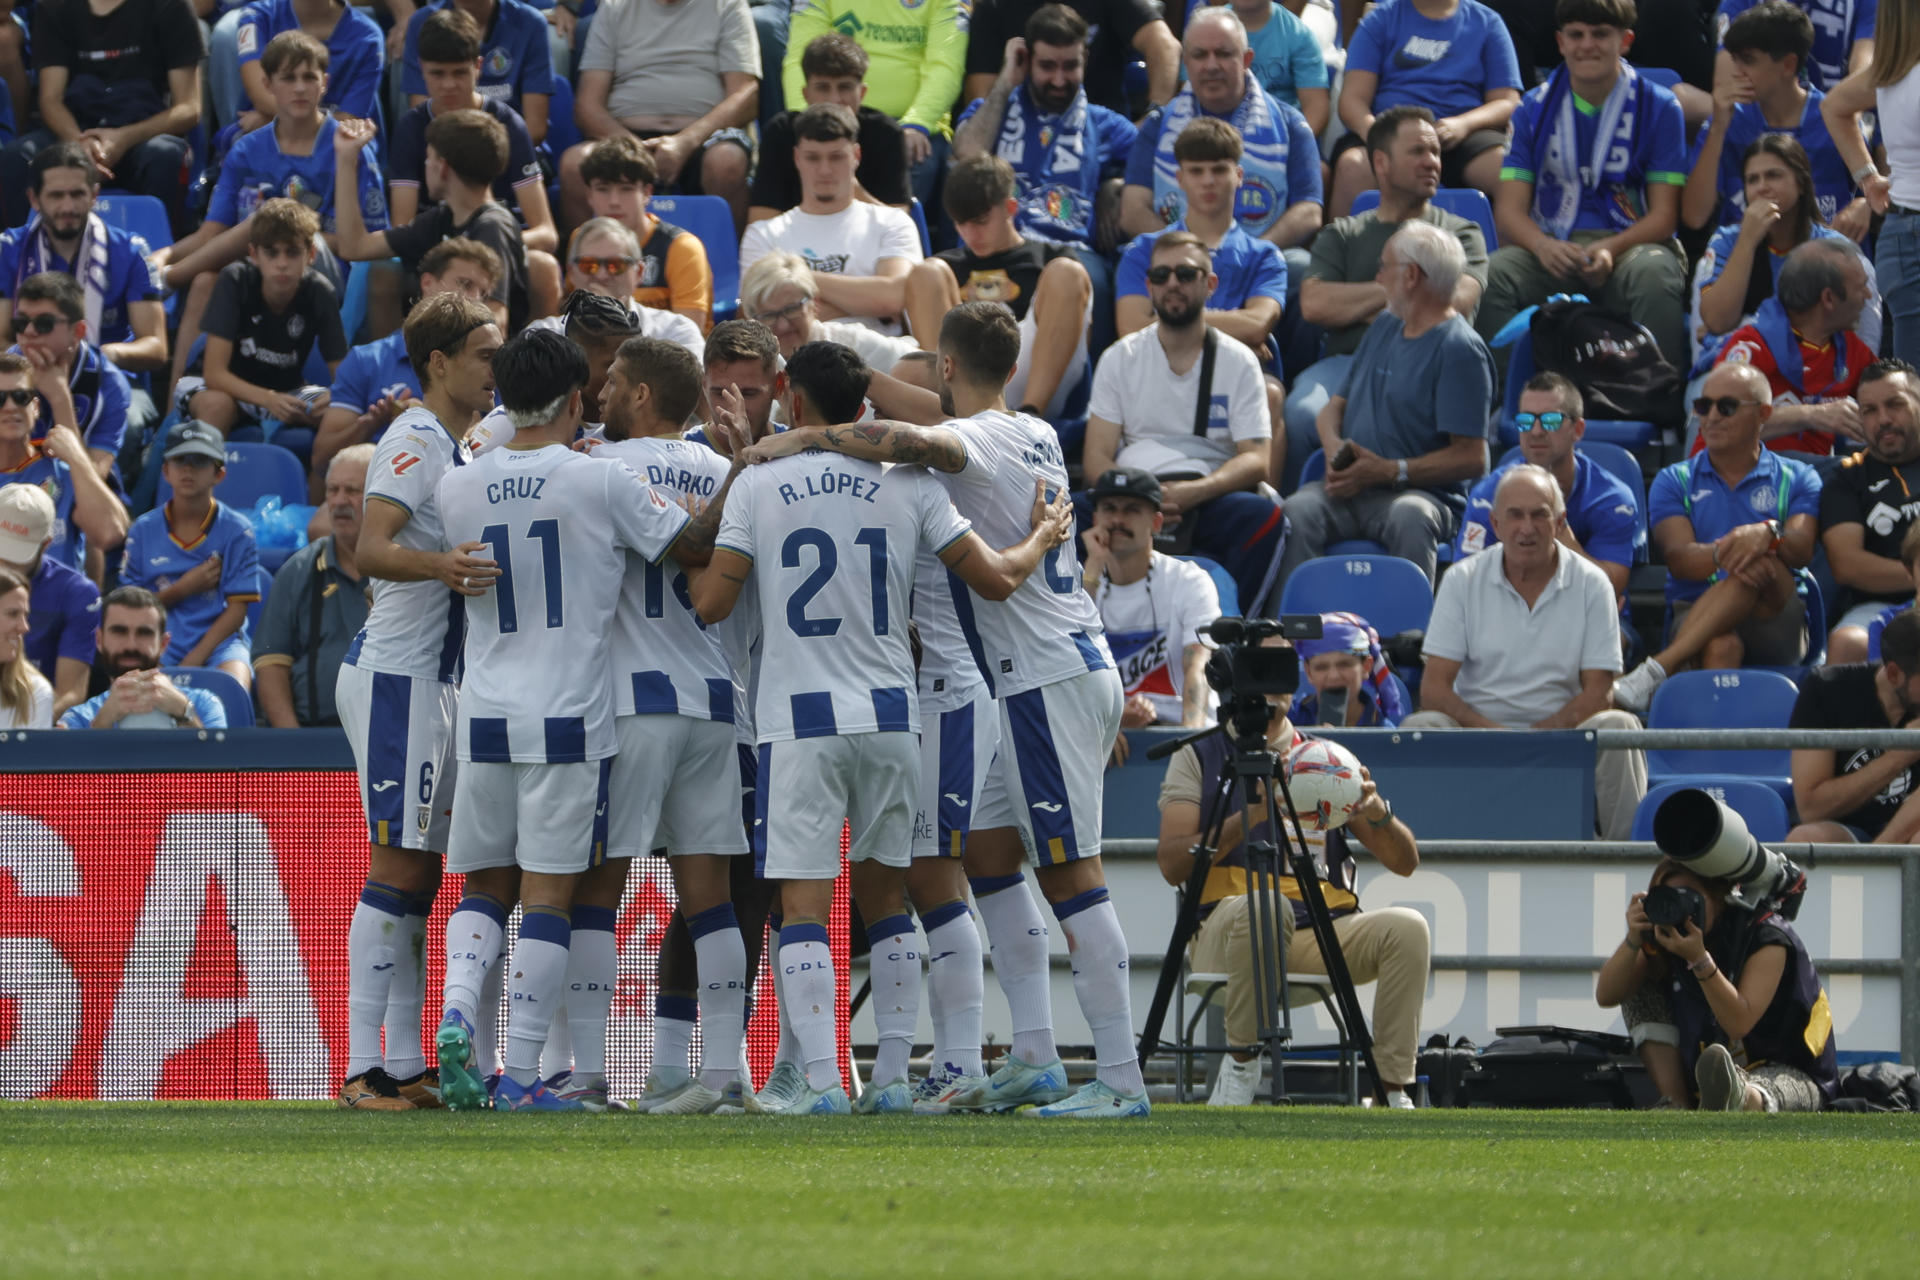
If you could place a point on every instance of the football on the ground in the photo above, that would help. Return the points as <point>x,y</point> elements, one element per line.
<point>1324,780</point>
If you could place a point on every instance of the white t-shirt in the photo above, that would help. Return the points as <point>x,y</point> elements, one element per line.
<point>39,713</point>
<point>1519,665</point>
<point>852,242</point>
<point>539,673</point>
<point>413,628</point>
<point>1136,387</point>
<point>1149,625</point>
<point>833,542</point>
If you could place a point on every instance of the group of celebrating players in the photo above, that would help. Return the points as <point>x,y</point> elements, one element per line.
<point>619,630</point>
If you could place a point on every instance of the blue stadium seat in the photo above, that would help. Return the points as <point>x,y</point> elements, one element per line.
<point>1223,585</point>
<point>1816,601</point>
<point>353,307</point>
<point>1315,468</point>
<point>562,130</point>
<point>1665,77</point>
<point>142,216</point>
<point>1628,435</point>
<point>1765,812</point>
<point>254,471</point>
<point>234,699</point>
<point>1387,591</point>
<point>1616,462</point>
<point>920,224</point>
<point>1464,202</point>
<point>710,220</point>
<point>263,580</point>
<point>1743,699</point>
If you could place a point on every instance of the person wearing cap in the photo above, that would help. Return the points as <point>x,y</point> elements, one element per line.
<point>1152,605</point>
<point>1346,656</point>
<point>197,555</point>
<point>133,635</point>
<point>64,603</point>
<point>58,464</point>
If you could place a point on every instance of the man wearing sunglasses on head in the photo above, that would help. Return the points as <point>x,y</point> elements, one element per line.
<point>1736,526</point>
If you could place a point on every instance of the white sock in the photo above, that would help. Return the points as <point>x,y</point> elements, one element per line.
<point>408,995</point>
<point>476,932</point>
<point>720,955</point>
<point>537,989</point>
<point>1017,936</point>
<point>673,1036</point>
<point>373,944</point>
<point>486,1022</point>
<point>806,993</point>
<point>1099,953</point>
<point>593,967</point>
<point>956,987</point>
<point>894,963</point>
<point>788,1049</point>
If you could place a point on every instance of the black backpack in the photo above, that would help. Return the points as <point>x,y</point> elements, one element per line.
<point>1613,361</point>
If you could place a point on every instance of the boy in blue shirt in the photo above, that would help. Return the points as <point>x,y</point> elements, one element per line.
<point>197,555</point>
<point>354,47</point>
<point>516,64</point>
<point>58,464</point>
<point>1590,194</point>
<point>1843,36</point>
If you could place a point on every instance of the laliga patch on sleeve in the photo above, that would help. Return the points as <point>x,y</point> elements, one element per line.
<point>1475,539</point>
<point>1739,353</point>
<point>249,38</point>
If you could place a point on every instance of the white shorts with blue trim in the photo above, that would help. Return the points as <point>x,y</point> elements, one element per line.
<point>549,818</point>
<point>956,753</point>
<point>809,787</point>
<point>401,730</point>
<point>1049,777</point>
<point>676,785</point>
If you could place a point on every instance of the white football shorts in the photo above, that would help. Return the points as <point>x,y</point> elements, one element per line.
<point>401,730</point>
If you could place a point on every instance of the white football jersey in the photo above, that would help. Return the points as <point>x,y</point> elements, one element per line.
<point>538,687</point>
<point>833,542</point>
<point>665,660</point>
<point>414,628</point>
<point>1049,629</point>
<point>949,664</point>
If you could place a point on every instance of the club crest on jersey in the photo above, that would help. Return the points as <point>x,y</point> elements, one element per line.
<point>423,817</point>
<point>499,62</point>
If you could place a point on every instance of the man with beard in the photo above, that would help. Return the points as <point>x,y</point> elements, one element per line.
<point>1867,506</point>
<point>1176,400</point>
<point>1856,796</point>
<point>133,635</point>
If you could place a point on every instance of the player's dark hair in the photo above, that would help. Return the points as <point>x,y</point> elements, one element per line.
<point>1810,271</point>
<point>1775,29</point>
<point>621,159</point>
<point>594,317</point>
<point>1056,25</point>
<point>435,261</point>
<point>449,35</point>
<point>132,598</point>
<point>536,367</point>
<point>1900,642</point>
<point>1560,385</point>
<point>832,377</point>
<point>983,340</point>
<point>57,287</point>
<point>281,223</point>
<point>440,323</point>
<point>473,144</point>
<point>1597,13</point>
<point>292,50</point>
<point>1207,140</point>
<point>1787,149</point>
<point>14,362</point>
<point>976,186</point>
<point>1386,127</point>
<point>826,122</point>
<point>735,340</point>
<point>668,371</point>
<point>62,155</point>
<point>833,57</point>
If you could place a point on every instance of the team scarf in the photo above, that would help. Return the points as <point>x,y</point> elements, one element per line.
<point>1046,152</point>
<point>1351,633</point>
<point>90,265</point>
<point>1264,142</point>
<point>1771,322</point>
<point>1560,167</point>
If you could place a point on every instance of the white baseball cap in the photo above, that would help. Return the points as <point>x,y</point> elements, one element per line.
<point>26,521</point>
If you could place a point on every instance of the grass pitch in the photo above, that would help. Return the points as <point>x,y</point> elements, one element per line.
<point>267,1190</point>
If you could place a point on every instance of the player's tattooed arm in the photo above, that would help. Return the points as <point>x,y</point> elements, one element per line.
<point>934,447</point>
<point>694,546</point>
<point>716,589</point>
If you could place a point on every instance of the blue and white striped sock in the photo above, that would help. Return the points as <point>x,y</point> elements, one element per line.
<point>476,932</point>
<point>536,989</point>
<point>373,946</point>
<point>894,964</point>
<point>956,987</point>
<point>720,955</point>
<point>806,992</point>
<point>1017,937</point>
<point>1099,953</point>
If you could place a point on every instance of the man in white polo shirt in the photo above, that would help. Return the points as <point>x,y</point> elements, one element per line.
<point>1527,635</point>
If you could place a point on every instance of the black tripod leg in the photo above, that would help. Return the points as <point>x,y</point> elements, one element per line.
<point>1187,921</point>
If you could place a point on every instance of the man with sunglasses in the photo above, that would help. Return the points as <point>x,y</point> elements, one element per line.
<point>1736,525</point>
<point>50,330</point>
<point>57,462</point>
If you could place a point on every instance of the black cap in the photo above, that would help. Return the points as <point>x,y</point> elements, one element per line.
<point>1127,482</point>
<point>196,439</point>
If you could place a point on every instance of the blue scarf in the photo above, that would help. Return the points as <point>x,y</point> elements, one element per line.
<point>1556,198</point>
<point>91,265</point>
<point>1784,345</point>
<point>1351,633</point>
<point>1049,155</point>
<point>1263,135</point>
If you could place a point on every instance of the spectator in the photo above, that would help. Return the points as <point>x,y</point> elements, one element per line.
<point>1843,39</point>
<point>1602,515</point>
<point>1863,795</point>
<point>674,272</point>
<point>1407,431</point>
<point>26,699</point>
<point>781,291</point>
<point>682,76</point>
<point>1041,282</point>
<point>57,463</point>
<point>1389,946</point>
<point>1347,657</point>
<point>50,328</point>
<point>1118,31</point>
<point>125,85</point>
<point>1527,636</point>
<point>516,65</point>
<point>1590,192</point>
<point>1868,505</point>
<point>1802,339</point>
<point>124,313</point>
<point>1876,629</point>
<point>860,253</point>
<point>1177,402</point>
<point>265,318</point>
<point>742,363</point>
<point>133,635</point>
<point>1733,583</point>
<point>1340,291</point>
<point>316,607</point>
<point>237,82</point>
<point>466,151</point>
<point>1155,636</point>
<point>598,325</point>
<point>834,69</point>
<point>1288,61</point>
<point>1451,56</point>
<point>605,259</point>
<point>65,604</point>
<point>1758,94</point>
<point>1280,197</point>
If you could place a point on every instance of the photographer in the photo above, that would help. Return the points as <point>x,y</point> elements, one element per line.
<point>1723,981</point>
<point>1389,946</point>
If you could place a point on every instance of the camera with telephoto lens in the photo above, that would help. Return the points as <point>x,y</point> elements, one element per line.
<point>1712,841</point>
<point>1245,674</point>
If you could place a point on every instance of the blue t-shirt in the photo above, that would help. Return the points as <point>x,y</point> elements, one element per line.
<point>1408,397</point>
<point>1248,267</point>
<point>212,712</point>
<point>128,278</point>
<point>1602,514</point>
<point>1656,152</point>
<point>63,618</point>
<point>52,475</point>
<point>1448,66</point>
<point>371,371</point>
<point>1059,181</point>
<point>1265,194</point>
<point>1694,490</point>
<point>1832,183</point>
<point>1837,24</point>
<point>407,151</point>
<point>514,58</point>
<point>257,170</point>
<point>1286,56</point>
<point>155,559</point>
<point>355,51</point>
<point>101,397</point>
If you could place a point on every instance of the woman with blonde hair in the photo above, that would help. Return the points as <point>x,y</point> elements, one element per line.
<point>779,290</point>
<point>26,699</point>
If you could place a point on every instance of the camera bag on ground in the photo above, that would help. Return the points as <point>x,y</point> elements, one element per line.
<point>1558,1067</point>
<point>1615,362</point>
<point>1447,1068</point>
<point>1878,1086</point>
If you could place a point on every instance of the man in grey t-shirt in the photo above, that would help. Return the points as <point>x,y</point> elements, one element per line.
<point>1408,430</point>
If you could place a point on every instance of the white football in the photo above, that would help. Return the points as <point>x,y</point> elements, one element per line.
<point>1324,779</point>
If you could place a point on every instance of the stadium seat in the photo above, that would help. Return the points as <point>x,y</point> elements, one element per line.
<point>233,698</point>
<point>562,130</point>
<point>1816,633</point>
<point>920,225</point>
<point>1665,77</point>
<point>710,220</point>
<point>1464,202</point>
<point>254,471</point>
<point>263,583</point>
<point>142,216</point>
<point>1315,468</point>
<point>353,307</point>
<point>1223,585</point>
<point>1387,591</point>
<point>1628,435</point>
<point>1759,804</point>
<point>1616,462</point>
<point>1743,699</point>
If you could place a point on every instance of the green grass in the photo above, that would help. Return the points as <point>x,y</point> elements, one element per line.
<point>267,1190</point>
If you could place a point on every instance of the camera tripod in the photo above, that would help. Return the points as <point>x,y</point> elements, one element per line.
<point>1251,763</point>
